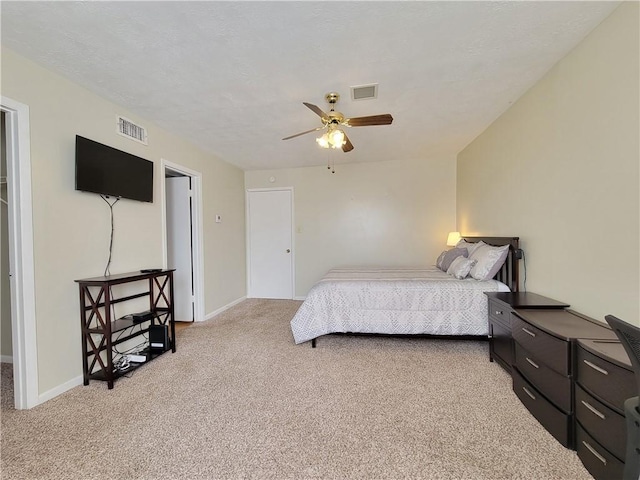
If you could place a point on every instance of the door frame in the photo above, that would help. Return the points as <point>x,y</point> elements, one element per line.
<point>197,231</point>
<point>21,257</point>
<point>248,236</point>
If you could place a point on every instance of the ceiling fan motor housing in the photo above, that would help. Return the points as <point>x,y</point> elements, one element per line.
<point>335,118</point>
<point>332,97</point>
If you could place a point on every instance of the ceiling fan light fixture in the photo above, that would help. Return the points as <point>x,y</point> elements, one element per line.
<point>323,141</point>
<point>336,138</point>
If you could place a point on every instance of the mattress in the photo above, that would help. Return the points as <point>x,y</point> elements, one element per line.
<point>404,301</point>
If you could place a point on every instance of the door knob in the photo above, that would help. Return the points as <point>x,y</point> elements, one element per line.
<point>288,250</point>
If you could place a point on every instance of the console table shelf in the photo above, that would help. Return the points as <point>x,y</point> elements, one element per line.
<point>101,334</point>
<point>101,374</point>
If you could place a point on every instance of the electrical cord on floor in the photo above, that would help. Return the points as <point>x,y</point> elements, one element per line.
<point>107,272</point>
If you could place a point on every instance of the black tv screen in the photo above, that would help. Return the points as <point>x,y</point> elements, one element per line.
<point>105,170</point>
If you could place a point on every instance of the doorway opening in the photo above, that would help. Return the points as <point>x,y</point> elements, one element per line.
<point>182,224</point>
<point>18,280</point>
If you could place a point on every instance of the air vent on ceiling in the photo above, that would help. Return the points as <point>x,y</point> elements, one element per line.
<point>127,128</point>
<point>364,92</point>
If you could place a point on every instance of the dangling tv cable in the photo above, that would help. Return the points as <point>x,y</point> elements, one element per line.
<point>107,272</point>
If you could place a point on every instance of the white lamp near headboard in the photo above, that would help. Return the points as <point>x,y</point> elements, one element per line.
<point>453,239</point>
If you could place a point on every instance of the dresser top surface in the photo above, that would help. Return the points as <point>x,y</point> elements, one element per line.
<point>526,300</point>
<point>611,350</point>
<point>566,324</point>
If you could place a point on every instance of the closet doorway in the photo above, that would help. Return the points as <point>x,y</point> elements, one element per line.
<point>270,258</point>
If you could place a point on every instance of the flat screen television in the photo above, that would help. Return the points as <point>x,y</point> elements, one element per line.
<point>114,173</point>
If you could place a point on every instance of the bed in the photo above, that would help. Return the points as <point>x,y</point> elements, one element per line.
<point>403,301</point>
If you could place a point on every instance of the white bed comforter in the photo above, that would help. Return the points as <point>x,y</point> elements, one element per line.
<point>394,301</point>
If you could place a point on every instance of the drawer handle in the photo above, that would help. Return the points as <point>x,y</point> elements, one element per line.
<point>593,410</point>
<point>595,454</point>
<point>529,332</point>
<point>596,368</point>
<point>533,364</point>
<point>498,312</point>
<point>526,390</point>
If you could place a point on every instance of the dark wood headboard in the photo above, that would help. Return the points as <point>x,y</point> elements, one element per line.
<point>509,273</point>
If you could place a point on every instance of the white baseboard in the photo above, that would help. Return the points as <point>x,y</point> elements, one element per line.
<point>60,389</point>
<point>300,298</point>
<point>6,358</point>
<point>209,316</point>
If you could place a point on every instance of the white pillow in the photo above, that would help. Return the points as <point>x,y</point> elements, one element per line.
<point>489,261</point>
<point>461,267</point>
<point>470,246</point>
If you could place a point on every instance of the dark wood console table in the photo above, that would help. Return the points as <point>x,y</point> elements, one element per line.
<point>98,326</point>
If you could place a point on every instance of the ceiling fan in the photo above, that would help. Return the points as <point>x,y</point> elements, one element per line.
<point>335,137</point>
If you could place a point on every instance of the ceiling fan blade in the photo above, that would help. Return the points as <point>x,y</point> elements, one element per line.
<point>303,133</point>
<point>316,110</point>
<point>348,146</point>
<point>384,119</point>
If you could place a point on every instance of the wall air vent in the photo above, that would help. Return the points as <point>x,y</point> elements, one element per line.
<point>127,128</point>
<point>364,92</point>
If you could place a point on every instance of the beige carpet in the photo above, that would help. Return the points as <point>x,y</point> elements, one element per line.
<point>240,400</point>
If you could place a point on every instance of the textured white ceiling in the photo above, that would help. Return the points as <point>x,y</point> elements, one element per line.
<point>232,76</point>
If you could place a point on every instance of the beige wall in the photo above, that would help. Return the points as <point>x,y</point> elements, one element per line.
<point>561,170</point>
<point>387,213</point>
<point>71,229</point>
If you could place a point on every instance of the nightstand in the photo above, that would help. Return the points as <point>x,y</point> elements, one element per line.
<point>501,306</point>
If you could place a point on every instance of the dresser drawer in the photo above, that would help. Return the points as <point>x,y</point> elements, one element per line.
<point>605,426</point>
<point>609,382</point>
<point>554,351</point>
<point>550,383</point>
<point>501,344</point>
<point>555,421</point>
<point>600,463</point>
<point>499,312</point>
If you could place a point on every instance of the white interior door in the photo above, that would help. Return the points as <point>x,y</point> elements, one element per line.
<point>179,245</point>
<point>270,243</point>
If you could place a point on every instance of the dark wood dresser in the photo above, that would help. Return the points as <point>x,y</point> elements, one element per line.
<point>604,380</point>
<point>501,307</point>
<point>543,370</point>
